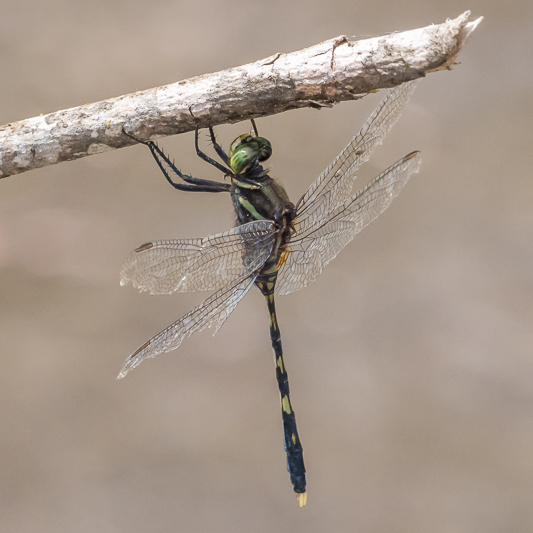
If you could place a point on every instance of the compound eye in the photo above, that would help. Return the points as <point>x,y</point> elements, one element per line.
<point>264,148</point>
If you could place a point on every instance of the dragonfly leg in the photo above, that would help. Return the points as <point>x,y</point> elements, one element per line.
<point>217,147</point>
<point>191,183</point>
<point>205,157</point>
<point>293,446</point>
<point>219,150</point>
<point>254,127</point>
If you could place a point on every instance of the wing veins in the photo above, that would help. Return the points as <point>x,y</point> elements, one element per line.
<point>357,152</point>
<point>192,265</point>
<point>216,309</point>
<point>318,245</point>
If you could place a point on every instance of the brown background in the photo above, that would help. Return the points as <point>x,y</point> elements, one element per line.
<point>410,359</point>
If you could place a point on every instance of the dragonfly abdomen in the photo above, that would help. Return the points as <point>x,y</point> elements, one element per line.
<point>266,281</point>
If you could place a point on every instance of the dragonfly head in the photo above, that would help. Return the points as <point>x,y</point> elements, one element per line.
<point>246,151</point>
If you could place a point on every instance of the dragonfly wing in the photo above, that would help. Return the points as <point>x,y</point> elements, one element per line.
<point>215,310</point>
<point>335,184</point>
<point>191,265</point>
<point>311,250</point>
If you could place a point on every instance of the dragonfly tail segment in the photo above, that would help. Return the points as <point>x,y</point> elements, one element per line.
<point>293,446</point>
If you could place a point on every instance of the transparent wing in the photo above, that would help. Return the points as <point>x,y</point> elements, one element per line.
<point>335,184</point>
<point>215,310</point>
<point>191,265</point>
<point>309,251</point>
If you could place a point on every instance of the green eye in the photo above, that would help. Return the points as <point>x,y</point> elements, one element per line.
<point>264,150</point>
<point>246,151</point>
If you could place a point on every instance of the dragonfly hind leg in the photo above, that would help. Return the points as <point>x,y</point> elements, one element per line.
<point>191,183</point>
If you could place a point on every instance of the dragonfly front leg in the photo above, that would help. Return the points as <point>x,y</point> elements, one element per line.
<point>254,127</point>
<point>219,150</point>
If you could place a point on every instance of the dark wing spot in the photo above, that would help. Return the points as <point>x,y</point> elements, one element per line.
<point>139,350</point>
<point>410,156</point>
<point>144,247</point>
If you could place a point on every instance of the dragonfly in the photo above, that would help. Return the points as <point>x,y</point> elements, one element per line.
<point>276,245</point>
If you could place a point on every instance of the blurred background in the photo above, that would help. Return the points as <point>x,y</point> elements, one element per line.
<point>410,359</point>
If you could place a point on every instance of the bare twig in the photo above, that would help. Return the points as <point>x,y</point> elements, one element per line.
<point>330,72</point>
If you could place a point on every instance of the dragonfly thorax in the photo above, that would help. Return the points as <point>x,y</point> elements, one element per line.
<point>257,196</point>
<point>246,152</point>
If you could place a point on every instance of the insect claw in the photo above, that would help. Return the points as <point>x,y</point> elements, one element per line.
<point>192,115</point>
<point>131,136</point>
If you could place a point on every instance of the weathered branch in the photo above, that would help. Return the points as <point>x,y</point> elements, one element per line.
<point>330,72</point>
